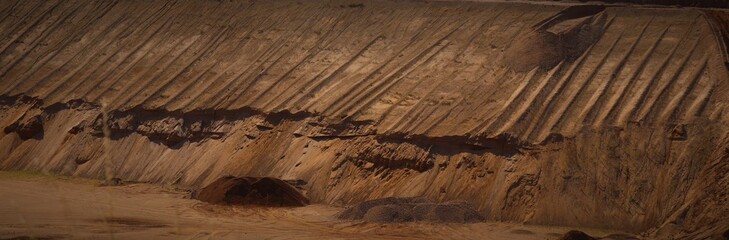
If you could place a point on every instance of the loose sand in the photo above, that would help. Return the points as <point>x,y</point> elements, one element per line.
<point>58,208</point>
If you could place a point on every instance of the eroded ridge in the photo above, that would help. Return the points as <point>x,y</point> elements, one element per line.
<point>439,75</point>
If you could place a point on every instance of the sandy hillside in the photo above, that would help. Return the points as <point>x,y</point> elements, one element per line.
<point>611,117</point>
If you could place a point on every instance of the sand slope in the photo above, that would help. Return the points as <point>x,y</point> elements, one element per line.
<point>376,99</point>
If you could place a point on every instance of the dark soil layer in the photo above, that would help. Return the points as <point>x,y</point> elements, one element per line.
<point>391,210</point>
<point>264,191</point>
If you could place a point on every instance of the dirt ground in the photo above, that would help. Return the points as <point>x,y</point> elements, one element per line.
<point>48,207</point>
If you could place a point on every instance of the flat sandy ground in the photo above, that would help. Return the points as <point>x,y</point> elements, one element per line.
<point>49,207</point>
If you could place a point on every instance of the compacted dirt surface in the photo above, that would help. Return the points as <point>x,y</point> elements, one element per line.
<point>46,207</point>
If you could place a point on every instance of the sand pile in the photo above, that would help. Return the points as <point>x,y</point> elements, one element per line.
<point>407,96</point>
<point>393,210</point>
<point>576,235</point>
<point>563,37</point>
<point>264,191</point>
<point>579,235</point>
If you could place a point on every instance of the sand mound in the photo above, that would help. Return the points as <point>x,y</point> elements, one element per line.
<point>562,37</point>
<point>389,213</point>
<point>620,236</point>
<point>264,191</point>
<point>358,211</point>
<point>393,210</point>
<point>576,235</point>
